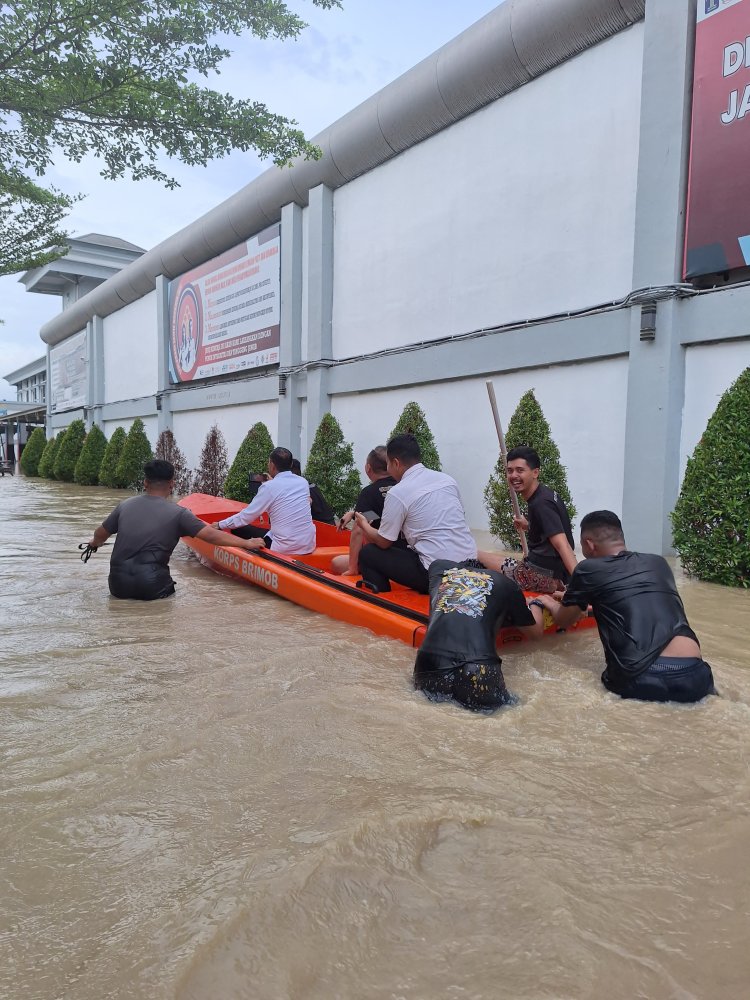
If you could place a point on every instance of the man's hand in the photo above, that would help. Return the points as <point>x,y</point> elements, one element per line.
<point>251,544</point>
<point>349,516</point>
<point>521,523</point>
<point>368,531</point>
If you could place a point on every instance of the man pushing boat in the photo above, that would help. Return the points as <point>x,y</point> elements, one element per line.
<point>148,527</point>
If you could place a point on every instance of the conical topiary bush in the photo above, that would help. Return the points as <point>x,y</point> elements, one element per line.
<point>413,421</point>
<point>32,453</point>
<point>90,460</point>
<point>711,520</point>
<point>47,461</point>
<point>330,465</point>
<point>212,467</point>
<point>135,453</point>
<point>69,451</point>
<point>167,450</point>
<point>528,426</point>
<point>108,468</point>
<point>251,457</point>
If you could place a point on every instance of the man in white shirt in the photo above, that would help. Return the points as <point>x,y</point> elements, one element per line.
<point>286,500</point>
<point>425,507</point>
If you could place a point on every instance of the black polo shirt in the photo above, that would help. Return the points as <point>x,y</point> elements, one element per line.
<point>548,516</point>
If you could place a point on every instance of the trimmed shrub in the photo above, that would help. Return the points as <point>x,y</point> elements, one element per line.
<point>108,468</point>
<point>212,468</point>
<point>330,466</point>
<point>69,451</point>
<point>167,450</point>
<point>528,426</point>
<point>47,461</point>
<point>33,451</point>
<point>251,457</point>
<point>711,520</point>
<point>413,421</point>
<point>90,460</point>
<point>135,453</point>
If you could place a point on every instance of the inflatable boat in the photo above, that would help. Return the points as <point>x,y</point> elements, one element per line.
<point>306,580</point>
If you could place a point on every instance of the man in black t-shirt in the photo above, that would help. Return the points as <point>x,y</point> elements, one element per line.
<point>458,659</point>
<point>320,509</point>
<point>369,502</point>
<point>551,558</point>
<point>649,648</point>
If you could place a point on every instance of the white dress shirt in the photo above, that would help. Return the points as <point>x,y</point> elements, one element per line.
<point>286,498</point>
<point>426,506</point>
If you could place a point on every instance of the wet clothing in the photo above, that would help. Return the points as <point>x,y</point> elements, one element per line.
<point>458,658</point>
<point>638,610</point>
<point>373,497</point>
<point>148,528</point>
<point>530,577</point>
<point>286,499</point>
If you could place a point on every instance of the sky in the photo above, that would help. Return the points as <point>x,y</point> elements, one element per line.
<point>341,59</point>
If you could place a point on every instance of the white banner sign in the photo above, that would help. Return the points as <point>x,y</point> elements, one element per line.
<point>68,377</point>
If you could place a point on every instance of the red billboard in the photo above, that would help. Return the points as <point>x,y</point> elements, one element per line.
<point>718,213</point>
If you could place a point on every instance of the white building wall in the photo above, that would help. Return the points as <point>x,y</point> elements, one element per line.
<point>131,346</point>
<point>191,426</point>
<point>709,371</point>
<point>591,439</point>
<point>526,208</point>
<point>305,320</point>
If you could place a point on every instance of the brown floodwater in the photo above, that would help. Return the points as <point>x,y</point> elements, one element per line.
<point>224,796</point>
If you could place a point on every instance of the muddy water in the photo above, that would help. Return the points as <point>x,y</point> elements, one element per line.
<point>224,796</point>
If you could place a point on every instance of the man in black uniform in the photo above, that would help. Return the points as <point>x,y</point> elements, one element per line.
<point>458,659</point>
<point>551,558</point>
<point>369,502</point>
<point>320,509</point>
<point>649,648</point>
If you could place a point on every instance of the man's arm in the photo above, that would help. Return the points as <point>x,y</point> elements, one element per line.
<point>562,546</point>
<point>100,536</point>
<point>372,534</point>
<point>563,615</point>
<point>214,536</point>
<point>355,547</point>
<point>257,506</point>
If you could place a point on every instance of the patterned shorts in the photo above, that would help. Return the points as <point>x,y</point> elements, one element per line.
<point>531,577</point>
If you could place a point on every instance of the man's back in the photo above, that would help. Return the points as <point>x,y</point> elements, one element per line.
<point>286,499</point>
<point>149,525</point>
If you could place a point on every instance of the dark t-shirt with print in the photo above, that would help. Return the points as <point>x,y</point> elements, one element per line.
<point>636,606</point>
<point>373,496</point>
<point>468,605</point>
<point>548,516</point>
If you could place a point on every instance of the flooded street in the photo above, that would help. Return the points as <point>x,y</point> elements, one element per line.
<point>224,796</point>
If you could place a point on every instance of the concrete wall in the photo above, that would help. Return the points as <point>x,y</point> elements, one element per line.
<point>190,427</point>
<point>149,425</point>
<point>131,346</point>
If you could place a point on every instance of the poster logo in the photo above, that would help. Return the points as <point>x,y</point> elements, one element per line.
<point>186,333</point>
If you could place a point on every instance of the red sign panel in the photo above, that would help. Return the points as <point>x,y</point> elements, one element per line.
<point>718,219</point>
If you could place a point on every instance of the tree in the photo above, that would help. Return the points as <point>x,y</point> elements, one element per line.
<point>330,465</point>
<point>167,450</point>
<point>413,421</point>
<point>528,426</point>
<point>117,80</point>
<point>33,451</point>
<point>251,457</point>
<point>212,468</point>
<point>90,460</point>
<point>69,450</point>
<point>108,468</point>
<point>711,520</point>
<point>47,461</point>
<point>135,453</point>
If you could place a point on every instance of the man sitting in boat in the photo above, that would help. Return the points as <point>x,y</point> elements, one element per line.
<point>551,558</point>
<point>369,503</point>
<point>320,509</point>
<point>458,659</point>
<point>426,507</point>
<point>650,650</point>
<point>148,527</point>
<point>286,500</point>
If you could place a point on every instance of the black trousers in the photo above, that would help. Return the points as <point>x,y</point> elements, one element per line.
<point>667,679</point>
<point>250,531</point>
<point>140,579</point>
<point>380,566</point>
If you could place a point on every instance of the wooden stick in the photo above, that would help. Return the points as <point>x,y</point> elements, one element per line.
<point>504,453</point>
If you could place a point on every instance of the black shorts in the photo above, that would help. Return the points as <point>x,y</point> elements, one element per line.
<point>140,581</point>
<point>667,679</point>
<point>477,686</point>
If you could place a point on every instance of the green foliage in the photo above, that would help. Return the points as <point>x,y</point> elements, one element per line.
<point>330,465</point>
<point>47,461</point>
<point>135,453</point>
<point>711,520</point>
<point>251,457</point>
<point>69,451</point>
<point>413,421</point>
<point>108,468</point>
<point>167,450</point>
<point>33,451</point>
<point>120,81</point>
<point>528,426</point>
<point>90,460</point>
<point>212,468</point>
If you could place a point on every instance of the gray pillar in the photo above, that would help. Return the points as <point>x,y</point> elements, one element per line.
<point>656,376</point>
<point>290,419</point>
<point>96,362</point>
<point>163,391</point>
<point>48,396</point>
<point>319,305</point>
